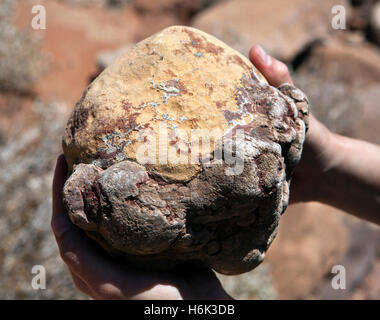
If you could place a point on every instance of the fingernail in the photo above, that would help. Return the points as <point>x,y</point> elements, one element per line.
<point>264,57</point>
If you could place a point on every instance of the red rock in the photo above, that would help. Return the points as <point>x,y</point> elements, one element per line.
<point>73,36</point>
<point>282,28</point>
<point>342,80</point>
<point>182,9</point>
<point>311,239</point>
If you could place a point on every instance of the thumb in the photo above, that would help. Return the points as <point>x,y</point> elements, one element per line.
<point>275,71</point>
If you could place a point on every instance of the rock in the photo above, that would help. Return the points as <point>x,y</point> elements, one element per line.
<point>342,80</point>
<point>311,239</point>
<point>30,136</point>
<point>105,58</point>
<point>360,12</point>
<point>374,23</point>
<point>363,243</point>
<point>156,15</point>
<point>117,3</point>
<point>242,23</point>
<point>159,205</point>
<point>164,13</point>
<point>99,3</point>
<point>370,288</point>
<point>357,3</point>
<point>22,62</point>
<point>254,285</point>
<point>75,34</point>
<point>208,3</point>
<point>182,10</point>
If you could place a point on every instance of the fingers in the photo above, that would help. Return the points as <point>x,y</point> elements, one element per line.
<point>58,182</point>
<point>202,284</point>
<point>74,248</point>
<point>59,221</point>
<point>275,71</point>
<point>68,237</point>
<point>82,257</point>
<point>92,272</point>
<point>81,285</point>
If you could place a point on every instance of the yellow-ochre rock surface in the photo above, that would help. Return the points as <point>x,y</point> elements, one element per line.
<point>146,184</point>
<point>181,76</point>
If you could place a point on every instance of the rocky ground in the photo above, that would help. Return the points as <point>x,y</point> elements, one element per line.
<point>44,72</point>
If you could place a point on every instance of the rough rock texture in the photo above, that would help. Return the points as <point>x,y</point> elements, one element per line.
<point>282,28</point>
<point>179,80</point>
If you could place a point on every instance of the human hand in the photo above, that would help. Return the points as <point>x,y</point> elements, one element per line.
<point>307,181</point>
<point>97,275</point>
<point>336,170</point>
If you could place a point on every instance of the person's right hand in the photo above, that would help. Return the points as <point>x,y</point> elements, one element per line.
<point>307,179</point>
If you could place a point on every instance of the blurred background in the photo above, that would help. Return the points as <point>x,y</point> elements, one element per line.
<point>44,72</point>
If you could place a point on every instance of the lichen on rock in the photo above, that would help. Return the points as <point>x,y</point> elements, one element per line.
<point>218,208</point>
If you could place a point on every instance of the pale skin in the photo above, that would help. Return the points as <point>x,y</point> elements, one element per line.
<point>335,170</point>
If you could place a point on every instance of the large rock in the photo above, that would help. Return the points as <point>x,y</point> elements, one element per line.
<point>282,28</point>
<point>167,202</point>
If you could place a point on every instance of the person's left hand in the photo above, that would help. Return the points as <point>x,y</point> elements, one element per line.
<point>100,277</point>
<point>308,179</point>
